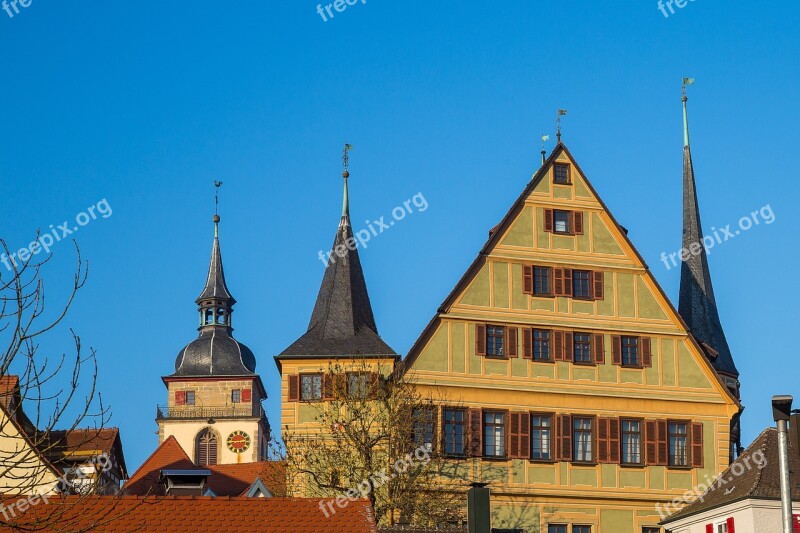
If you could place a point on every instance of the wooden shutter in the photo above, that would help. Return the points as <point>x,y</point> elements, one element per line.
<point>697,446</point>
<point>375,383</point>
<point>475,444</point>
<point>527,279</point>
<point>647,357</point>
<point>597,285</point>
<point>480,339</point>
<point>616,349</point>
<point>294,388</point>
<point>558,345</point>
<point>247,395</point>
<point>650,443</point>
<point>731,527</point>
<point>180,397</point>
<point>511,341</point>
<point>327,386</point>
<point>524,436</point>
<point>569,347</point>
<point>548,220</point>
<point>558,281</point>
<point>565,452</point>
<point>709,528</point>
<point>598,348</point>
<point>513,448</point>
<point>663,448</point>
<point>527,343</point>
<point>577,222</point>
<point>613,440</point>
<point>567,282</point>
<point>602,440</point>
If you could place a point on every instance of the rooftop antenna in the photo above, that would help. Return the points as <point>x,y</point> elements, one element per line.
<point>545,138</point>
<point>561,113</point>
<point>217,185</point>
<point>686,82</point>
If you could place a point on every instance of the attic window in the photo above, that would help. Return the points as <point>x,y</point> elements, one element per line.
<point>561,174</point>
<point>561,221</point>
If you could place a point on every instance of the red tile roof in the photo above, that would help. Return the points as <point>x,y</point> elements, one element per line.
<point>225,480</point>
<point>204,514</point>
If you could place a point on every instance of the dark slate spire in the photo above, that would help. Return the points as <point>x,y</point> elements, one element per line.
<point>215,352</point>
<point>342,322</point>
<point>697,304</point>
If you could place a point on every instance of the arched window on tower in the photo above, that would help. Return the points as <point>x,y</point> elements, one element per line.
<point>208,316</point>
<point>221,317</point>
<point>206,444</point>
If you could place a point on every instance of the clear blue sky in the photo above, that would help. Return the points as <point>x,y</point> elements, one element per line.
<point>145,103</point>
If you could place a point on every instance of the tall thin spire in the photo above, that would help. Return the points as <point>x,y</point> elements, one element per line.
<point>697,304</point>
<point>345,175</point>
<point>342,322</point>
<point>215,292</point>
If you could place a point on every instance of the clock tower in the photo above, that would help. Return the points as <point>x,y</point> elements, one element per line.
<point>214,396</point>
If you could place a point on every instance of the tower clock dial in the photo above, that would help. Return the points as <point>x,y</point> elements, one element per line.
<point>238,442</point>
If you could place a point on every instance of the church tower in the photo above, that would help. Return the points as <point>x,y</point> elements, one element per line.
<point>697,304</point>
<point>214,396</point>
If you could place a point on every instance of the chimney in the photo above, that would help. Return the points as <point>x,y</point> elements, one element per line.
<point>478,511</point>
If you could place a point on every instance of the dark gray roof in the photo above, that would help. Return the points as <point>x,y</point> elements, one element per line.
<point>215,353</point>
<point>697,305</point>
<point>215,281</point>
<point>342,322</point>
<point>753,482</point>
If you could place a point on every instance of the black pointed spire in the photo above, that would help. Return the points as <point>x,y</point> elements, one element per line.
<point>215,288</point>
<point>342,322</point>
<point>697,304</point>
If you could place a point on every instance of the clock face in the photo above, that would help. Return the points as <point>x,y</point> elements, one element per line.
<point>238,442</point>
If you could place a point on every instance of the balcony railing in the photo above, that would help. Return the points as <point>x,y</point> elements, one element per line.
<point>205,412</point>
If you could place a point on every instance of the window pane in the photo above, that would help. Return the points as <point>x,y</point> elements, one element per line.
<point>541,280</point>
<point>582,348</point>
<point>493,434</point>
<point>581,288</point>
<point>630,351</point>
<point>540,437</point>
<point>556,528</point>
<point>541,345</point>
<point>678,441</point>
<point>582,439</point>
<point>631,442</point>
<point>236,396</point>
<point>423,428</point>
<point>454,431</point>
<point>561,221</point>
<point>494,340</point>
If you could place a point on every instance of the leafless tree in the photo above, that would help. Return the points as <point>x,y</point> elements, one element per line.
<point>59,395</point>
<point>375,437</point>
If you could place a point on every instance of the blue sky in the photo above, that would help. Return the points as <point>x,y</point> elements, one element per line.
<point>144,104</point>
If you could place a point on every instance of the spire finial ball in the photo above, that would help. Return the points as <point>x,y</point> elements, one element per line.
<point>216,219</point>
<point>345,174</point>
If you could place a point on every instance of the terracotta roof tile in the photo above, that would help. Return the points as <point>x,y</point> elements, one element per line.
<point>205,514</point>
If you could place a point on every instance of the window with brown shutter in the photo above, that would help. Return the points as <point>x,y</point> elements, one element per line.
<point>475,443</point>
<point>548,220</point>
<point>565,430</point>
<point>527,279</point>
<point>577,222</point>
<point>647,356</point>
<point>558,345</point>
<point>327,386</point>
<point>597,285</point>
<point>663,448</point>
<point>599,350</point>
<point>527,343</point>
<point>524,436</point>
<point>513,435</point>
<point>294,388</point>
<point>567,282</point>
<point>602,440</point>
<point>616,349</point>
<point>650,442</point>
<point>511,341</point>
<point>480,339</point>
<point>569,346</point>
<point>558,281</point>
<point>613,440</point>
<point>180,397</point>
<point>697,444</point>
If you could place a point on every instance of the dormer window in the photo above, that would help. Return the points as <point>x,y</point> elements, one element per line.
<point>561,174</point>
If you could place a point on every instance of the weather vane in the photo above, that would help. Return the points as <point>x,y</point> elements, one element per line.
<point>545,138</point>
<point>346,157</point>
<point>217,185</point>
<point>686,81</point>
<point>561,113</point>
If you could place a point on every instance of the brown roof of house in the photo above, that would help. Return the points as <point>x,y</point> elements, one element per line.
<point>203,514</point>
<point>80,443</point>
<point>225,480</point>
<point>752,482</point>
